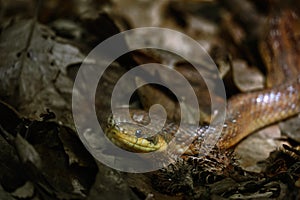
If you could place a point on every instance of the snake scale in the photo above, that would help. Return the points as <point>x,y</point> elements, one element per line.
<point>246,112</point>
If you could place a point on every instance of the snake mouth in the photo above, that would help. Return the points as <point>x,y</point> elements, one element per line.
<point>136,144</point>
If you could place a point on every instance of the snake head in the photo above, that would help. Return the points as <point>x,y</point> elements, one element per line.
<point>134,137</point>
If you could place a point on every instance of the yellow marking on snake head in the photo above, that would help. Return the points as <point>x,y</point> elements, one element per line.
<point>134,138</point>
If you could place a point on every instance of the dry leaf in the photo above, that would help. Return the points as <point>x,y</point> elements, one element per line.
<point>247,78</point>
<point>291,128</point>
<point>27,152</point>
<point>26,191</point>
<point>33,71</point>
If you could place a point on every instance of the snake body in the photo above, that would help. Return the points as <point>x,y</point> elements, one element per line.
<point>245,112</point>
<point>249,112</point>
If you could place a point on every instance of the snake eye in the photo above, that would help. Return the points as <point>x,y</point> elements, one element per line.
<point>138,133</point>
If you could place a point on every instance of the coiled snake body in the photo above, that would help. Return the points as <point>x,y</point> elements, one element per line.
<point>245,112</point>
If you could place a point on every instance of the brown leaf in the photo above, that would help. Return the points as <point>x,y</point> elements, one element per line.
<point>247,78</point>
<point>257,147</point>
<point>27,152</point>
<point>110,185</point>
<point>33,70</point>
<point>26,191</point>
<point>63,173</point>
<point>12,174</point>
<point>291,128</point>
<point>141,13</point>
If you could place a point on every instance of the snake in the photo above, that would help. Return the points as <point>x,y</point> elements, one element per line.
<point>246,112</point>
